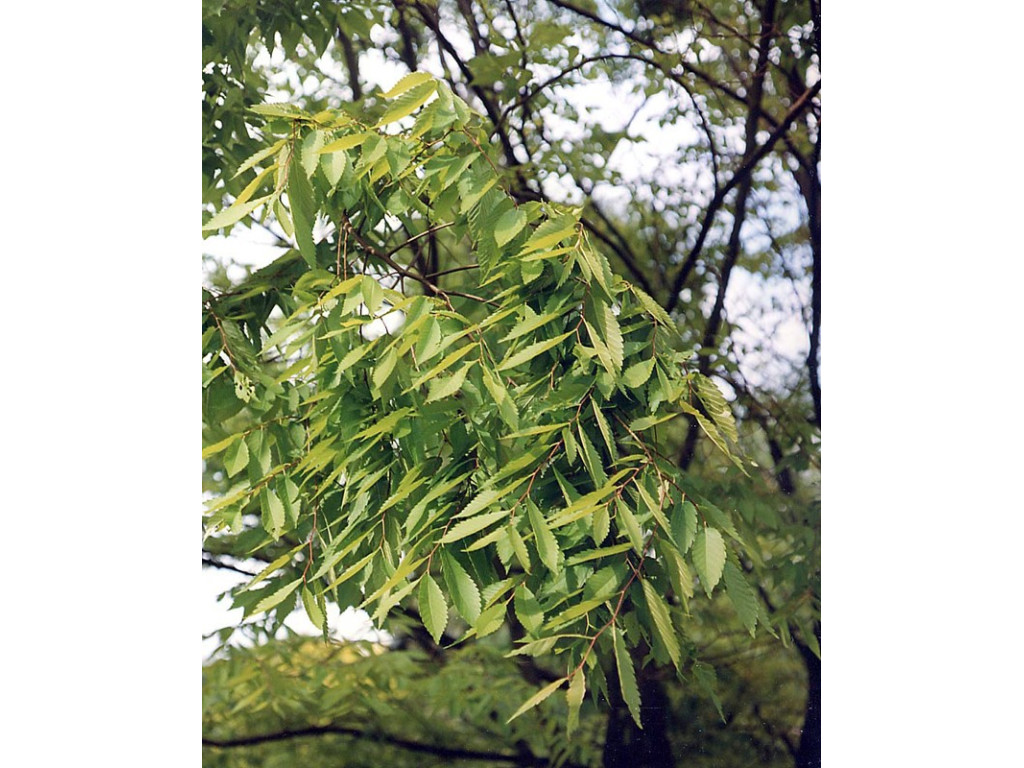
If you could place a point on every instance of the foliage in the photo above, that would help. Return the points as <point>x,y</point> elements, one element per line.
<point>443,402</point>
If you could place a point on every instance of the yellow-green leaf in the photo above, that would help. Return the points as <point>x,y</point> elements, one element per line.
<point>537,698</point>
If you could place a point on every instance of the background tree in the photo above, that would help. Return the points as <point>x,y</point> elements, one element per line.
<point>704,176</point>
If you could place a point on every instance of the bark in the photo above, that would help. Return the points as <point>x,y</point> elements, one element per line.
<point>626,745</point>
<point>808,755</point>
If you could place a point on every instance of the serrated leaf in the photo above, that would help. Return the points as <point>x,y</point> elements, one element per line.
<point>263,154</point>
<point>592,459</point>
<point>652,307</point>
<point>276,598</point>
<point>234,213</point>
<point>537,698</point>
<point>406,83</point>
<point>627,676</point>
<point>550,233</point>
<point>574,699</point>
<point>442,388</point>
<point>464,591</point>
<point>236,458</point>
<point>346,142</point>
<point>628,523</point>
<point>637,374</point>
<point>408,102</point>
<point>333,165</point>
<point>273,512</point>
<point>509,225</point>
<point>528,353</point>
<point>384,367</point>
<point>662,622</point>
<point>309,153</point>
<point>300,196</point>
<point>684,525</point>
<point>528,610</point>
<point>742,596</point>
<point>433,608</point>
<point>316,616</point>
<point>471,525</point>
<point>708,557</point>
<point>606,431</point>
<point>277,110</point>
<point>600,524</point>
<point>547,545</point>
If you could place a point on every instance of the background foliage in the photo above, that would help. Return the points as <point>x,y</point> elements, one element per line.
<point>629,224</point>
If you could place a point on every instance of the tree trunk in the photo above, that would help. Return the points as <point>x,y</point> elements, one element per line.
<point>625,745</point>
<point>809,753</point>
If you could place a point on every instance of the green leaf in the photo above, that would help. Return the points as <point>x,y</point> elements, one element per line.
<point>742,596</point>
<point>528,610</point>
<point>662,622</point>
<point>471,525</point>
<point>273,512</point>
<point>530,352</point>
<point>464,591</point>
<point>263,154</point>
<point>509,225</point>
<point>408,103</point>
<point>630,525</point>
<point>574,699</point>
<point>333,165</point>
<point>652,307</point>
<point>627,676</point>
<point>442,388</point>
<point>537,698</point>
<point>309,154</point>
<point>276,598</point>
<point>547,545</point>
<point>300,196</point>
<point>550,233</point>
<point>433,608</point>
<point>637,374</point>
<point>406,83</point>
<point>384,367</point>
<point>709,557</point>
<point>235,213</point>
<point>316,616</point>
<point>684,525</point>
<point>236,458</point>
<point>346,142</point>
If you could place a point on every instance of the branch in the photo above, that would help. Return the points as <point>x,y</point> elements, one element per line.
<point>745,169</point>
<point>212,562</point>
<point>453,753</point>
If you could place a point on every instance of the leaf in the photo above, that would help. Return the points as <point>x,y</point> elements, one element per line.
<point>630,525</point>
<point>600,524</point>
<point>549,233</point>
<point>606,431</point>
<point>277,110</point>
<point>300,196</point>
<point>709,557</point>
<point>273,512</point>
<point>684,525</point>
<point>236,458</point>
<point>530,352</point>
<point>409,81</point>
<point>309,154</point>
<point>409,102</point>
<point>346,142</point>
<point>627,676</point>
<point>433,608</point>
<point>662,622</point>
<point>471,525</point>
<point>442,388</point>
<point>234,213</point>
<point>333,165</point>
<point>276,598</point>
<point>547,545</point>
<point>528,610</point>
<point>742,596</point>
<point>537,698</point>
<point>464,591</point>
<point>574,699</point>
<point>316,616</point>
<point>509,225</point>
<point>637,374</point>
<point>263,154</point>
<point>652,307</point>
<point>384,367</point>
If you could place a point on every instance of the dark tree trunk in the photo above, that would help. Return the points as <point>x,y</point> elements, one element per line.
<point>809,753</point>
<point>625,745</point>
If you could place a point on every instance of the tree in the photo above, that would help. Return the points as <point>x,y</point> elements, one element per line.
<point>467,398</point>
